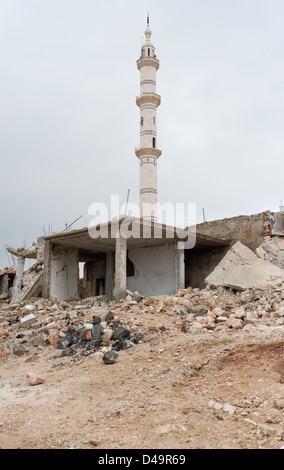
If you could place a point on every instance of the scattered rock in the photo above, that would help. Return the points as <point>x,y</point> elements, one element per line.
<point>171,428</point>
<point>279,403</point>
<point>94,442</point>
<point>126,344</point>
<point>20,351</point>
<point>196,325</point>
<point>120,333</point>
<point>153,328</point>
<point>34,379</point>
<point>240,313</point>
<point>229,409</point>
<point>109,317</point>
<point>110,357</point>
<point>234,323</point>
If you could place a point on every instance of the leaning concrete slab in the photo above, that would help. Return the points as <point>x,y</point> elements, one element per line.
<point>241,269</point>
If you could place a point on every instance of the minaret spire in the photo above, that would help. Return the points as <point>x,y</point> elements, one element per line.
<point>148,102</point>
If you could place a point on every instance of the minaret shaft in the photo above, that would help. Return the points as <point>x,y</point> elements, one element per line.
<point>148,153</point>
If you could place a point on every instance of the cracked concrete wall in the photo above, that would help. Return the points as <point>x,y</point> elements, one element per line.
<point>64,274</point>
<point>154,270</point>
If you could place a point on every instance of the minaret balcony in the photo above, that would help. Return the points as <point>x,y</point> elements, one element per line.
<point>148,62</point>
<point>147,98</point>
<point>148,151</point>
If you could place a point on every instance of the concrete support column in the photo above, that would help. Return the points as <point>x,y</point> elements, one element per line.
<point>46,269</point>
<point>109,275</point>
<point>18,277</point>
<point>180,266</point>
<point>120,268</point>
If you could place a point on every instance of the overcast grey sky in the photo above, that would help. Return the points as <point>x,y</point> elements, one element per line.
<point>69,123</point>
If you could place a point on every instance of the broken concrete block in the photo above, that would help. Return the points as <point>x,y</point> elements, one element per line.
<point>171,300</point>
<point>227,408</point>
<point>29,307</point>
<point>251,317</point>
<point>148,301</point>
<point>235,323</point>
<point>239,313</point>
<point>241,269</point>
<point>210,322</point>
<point>28,320</point>
<point>221,319</point>
<point>196,325</point>
<point>107,335</point>
<point>72,316</point>
<point>218,311</point>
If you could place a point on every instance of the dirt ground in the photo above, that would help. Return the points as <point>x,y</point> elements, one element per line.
<point>167,392</point>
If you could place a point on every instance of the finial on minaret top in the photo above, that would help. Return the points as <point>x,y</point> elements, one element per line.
<point>148,31</point>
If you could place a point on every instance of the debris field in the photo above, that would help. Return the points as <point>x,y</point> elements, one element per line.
<point>200,369</point>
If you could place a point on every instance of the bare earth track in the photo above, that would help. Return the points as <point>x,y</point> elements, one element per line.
<point>167,392</point>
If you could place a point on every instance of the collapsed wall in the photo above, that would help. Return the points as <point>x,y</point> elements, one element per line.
<point>250,230</point>
<point>242,269</point>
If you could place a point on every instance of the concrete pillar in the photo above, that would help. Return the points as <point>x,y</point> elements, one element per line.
<point>180,266</point>
<point>46,269</point>
<point>18,278</point>
<point>109,275</point>
<point>120,268</point>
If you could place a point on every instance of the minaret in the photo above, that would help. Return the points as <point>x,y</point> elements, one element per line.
<point>148,153</point>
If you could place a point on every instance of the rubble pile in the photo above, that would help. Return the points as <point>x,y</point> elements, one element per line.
<point>220,308</point>
<point>272,250</point>
<point>74,328</point>
<point>97,327</point>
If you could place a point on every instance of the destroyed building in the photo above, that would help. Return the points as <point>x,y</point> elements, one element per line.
<point>27,284</point>
<point>151,265</point>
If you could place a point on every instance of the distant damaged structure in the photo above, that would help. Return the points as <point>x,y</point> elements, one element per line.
<point>27,284</point>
